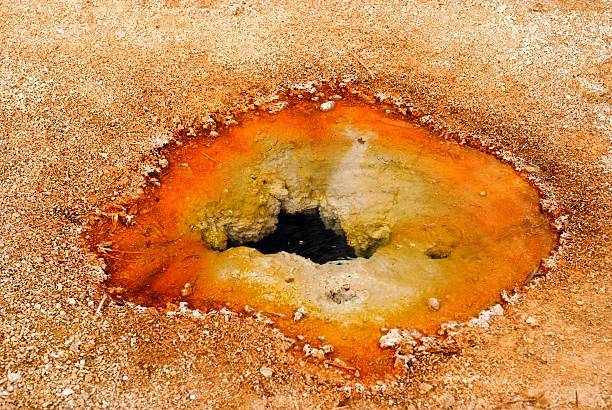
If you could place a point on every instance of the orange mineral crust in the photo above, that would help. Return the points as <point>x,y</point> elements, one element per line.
<point>427,218</point>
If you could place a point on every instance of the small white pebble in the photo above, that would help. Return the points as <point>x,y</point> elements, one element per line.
<point>300,313</point>
<point>532,321</point>
<point>391,339</point>
<point>192,397</point>
<point>328,106</point>
<point>125,378</point>
<point>434,303</point>
<point>13,377</point>
<point>327,349</point>
<point>67,392</point>
<point>266,372</point>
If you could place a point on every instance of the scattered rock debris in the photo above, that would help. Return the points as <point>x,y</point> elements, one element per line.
<point>514,96</point>
<point>317,353</point>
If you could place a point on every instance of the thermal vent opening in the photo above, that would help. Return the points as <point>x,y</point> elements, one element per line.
<point>408,218</point>
<point>303,234</point>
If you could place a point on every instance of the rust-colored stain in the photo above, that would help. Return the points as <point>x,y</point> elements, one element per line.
<point>472,202</point>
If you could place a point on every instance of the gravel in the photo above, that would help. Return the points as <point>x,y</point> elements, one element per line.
<point>88,90</point>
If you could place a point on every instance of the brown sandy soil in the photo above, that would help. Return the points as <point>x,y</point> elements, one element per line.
<point>88,89</point>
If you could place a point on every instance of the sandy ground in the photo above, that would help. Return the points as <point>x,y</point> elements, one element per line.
<point>88,89</point>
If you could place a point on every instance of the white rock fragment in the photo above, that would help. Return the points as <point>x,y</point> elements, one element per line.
<point>266,372</point>
<point>315,353</point>
<point>433,303</point>
<point>404,361</point>
<point>342,364</point>
<point>159,141</point>
<point>485,316</point>
<point>13,376</point>
<point>328,106</point>
<point>391,339</point>
<point>148,169</point>
<point>531,168</point>
<point>309,86</point>
<point>300,313</point>
<point>497,310</point>
<point>67,392</point>
<point>508,298</point>
<point>227,312</point>
<point>278,107</point>
<point>263,318</point>
<point>187,289</point>
<point>327,349</point>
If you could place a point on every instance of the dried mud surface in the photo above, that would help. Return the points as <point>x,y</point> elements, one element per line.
<point>89,89</point>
